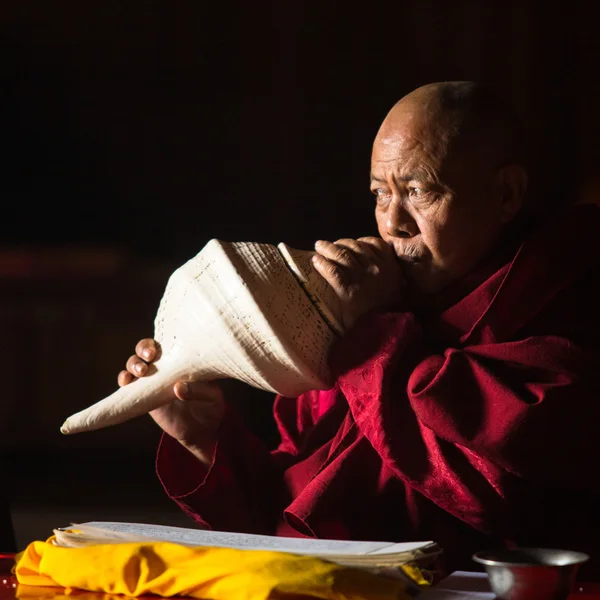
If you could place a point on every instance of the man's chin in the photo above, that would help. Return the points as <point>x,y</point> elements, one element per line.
<point>421,281</point>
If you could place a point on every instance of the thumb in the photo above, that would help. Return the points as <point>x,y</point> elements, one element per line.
<point>197,391</point>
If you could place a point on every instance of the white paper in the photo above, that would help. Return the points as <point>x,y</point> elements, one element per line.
<point>203,537</point>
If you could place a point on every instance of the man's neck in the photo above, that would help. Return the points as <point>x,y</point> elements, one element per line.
<point>504,251</point>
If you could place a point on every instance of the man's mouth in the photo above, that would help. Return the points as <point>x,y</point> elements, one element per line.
<point>408,254</point>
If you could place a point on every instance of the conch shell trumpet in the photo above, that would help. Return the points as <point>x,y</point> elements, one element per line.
<point>248,311</point>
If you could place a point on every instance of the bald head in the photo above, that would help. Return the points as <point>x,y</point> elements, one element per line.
<point>461,116</point>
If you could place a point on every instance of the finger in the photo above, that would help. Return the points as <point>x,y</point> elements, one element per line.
<point>125,378</point>
<point>136,366</point>
<point>378,246</point>
<point>148,349</point>
<point>337,253</point>
<point>199,391</point>
<point>362,252</point>
<point>182,390</point>
<point>330,271</point>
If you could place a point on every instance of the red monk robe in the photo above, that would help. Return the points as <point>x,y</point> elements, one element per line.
<point>472,424</point>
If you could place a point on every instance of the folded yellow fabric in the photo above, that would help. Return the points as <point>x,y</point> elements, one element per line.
<point>168,569</point>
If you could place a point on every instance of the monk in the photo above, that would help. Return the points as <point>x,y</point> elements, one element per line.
<point>466,406</point>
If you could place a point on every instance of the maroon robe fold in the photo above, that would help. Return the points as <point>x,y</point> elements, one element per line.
<point>472,424</point>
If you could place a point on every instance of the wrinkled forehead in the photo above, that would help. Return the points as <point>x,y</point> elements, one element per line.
<point>407,138</point>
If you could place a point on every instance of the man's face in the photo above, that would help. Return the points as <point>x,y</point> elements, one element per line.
<point>440,210</point>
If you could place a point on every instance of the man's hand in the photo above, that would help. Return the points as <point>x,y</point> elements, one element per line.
<point>194,415</point>
<point>364,273</point>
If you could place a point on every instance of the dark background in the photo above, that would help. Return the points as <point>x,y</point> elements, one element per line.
<point>132,132</point>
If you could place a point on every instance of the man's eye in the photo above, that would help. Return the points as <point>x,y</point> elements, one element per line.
<point>380,193</point>
<point>415,191</point>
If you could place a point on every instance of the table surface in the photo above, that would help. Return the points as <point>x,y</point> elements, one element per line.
<point>469,585</point>
<point>474,584</point>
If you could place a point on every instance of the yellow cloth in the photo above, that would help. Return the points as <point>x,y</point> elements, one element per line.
<point>168,569</point>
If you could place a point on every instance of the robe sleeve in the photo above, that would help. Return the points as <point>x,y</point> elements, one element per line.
<point>244,489</point>
<point>454,424</point>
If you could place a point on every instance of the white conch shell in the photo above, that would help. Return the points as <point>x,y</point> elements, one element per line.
<point>253,312</point>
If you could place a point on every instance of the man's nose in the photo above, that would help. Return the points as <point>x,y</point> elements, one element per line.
<point>399,223</point>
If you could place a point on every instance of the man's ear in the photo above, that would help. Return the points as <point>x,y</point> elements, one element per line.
<point>512,185</point>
